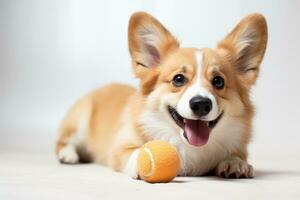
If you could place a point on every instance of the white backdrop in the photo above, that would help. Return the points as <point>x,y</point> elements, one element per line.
<point>53,52</point>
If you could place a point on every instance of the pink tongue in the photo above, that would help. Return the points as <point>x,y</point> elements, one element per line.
<point>197,132</point>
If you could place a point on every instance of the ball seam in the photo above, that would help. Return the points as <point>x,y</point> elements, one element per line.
<point>148,151</point>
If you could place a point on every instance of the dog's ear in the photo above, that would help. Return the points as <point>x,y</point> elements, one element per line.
<point>245,46</point>
<point>149,42</point>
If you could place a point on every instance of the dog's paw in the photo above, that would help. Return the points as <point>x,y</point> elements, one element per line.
<point>234,168</point>
<point>131,165</point>
<point>68,155</point>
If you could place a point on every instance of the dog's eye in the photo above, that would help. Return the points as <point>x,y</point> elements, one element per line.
<point>179,80</point>
<point>218,82</point>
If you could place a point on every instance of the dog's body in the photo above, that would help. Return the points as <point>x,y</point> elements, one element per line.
<point>197,99</point>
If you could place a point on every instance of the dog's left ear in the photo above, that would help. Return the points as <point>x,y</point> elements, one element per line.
<point>149,43</point>
<point>245,47</point>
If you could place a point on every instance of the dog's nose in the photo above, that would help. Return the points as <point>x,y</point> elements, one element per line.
<point>201,106</point>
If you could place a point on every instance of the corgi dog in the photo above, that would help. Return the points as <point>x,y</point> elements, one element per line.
<point>196,99</point>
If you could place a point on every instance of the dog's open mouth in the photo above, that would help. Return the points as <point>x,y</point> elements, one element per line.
<point>196,132</point>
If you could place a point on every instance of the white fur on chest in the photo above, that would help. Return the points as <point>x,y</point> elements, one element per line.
<point>224,139</point>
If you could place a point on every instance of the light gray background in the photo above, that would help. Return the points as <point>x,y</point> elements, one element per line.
<point>53,52</point>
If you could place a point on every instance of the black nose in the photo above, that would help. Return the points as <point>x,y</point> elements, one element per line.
<point>201,106</point>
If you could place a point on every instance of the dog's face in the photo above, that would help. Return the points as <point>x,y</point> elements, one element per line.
<point>194,89</point>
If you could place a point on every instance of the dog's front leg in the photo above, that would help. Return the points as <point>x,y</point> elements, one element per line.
<point>234,167</point>
<point>124,159</point>
<point>130,167</point>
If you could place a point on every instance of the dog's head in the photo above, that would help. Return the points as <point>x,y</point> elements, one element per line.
<point>194,89</point>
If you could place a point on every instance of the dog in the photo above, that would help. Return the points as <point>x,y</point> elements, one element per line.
<point>196,99</point>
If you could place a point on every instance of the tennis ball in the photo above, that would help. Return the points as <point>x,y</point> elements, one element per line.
<point>158,162</point>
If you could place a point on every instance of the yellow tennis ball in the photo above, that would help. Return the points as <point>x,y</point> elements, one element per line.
<point>158,162</point>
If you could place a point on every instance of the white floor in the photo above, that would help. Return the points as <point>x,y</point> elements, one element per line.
<point>40,176</point>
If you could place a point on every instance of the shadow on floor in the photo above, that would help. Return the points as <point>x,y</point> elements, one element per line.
<point>259,174</point>
<point>272,173</point>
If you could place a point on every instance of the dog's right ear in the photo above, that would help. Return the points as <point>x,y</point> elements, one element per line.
<point>149,42</point>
